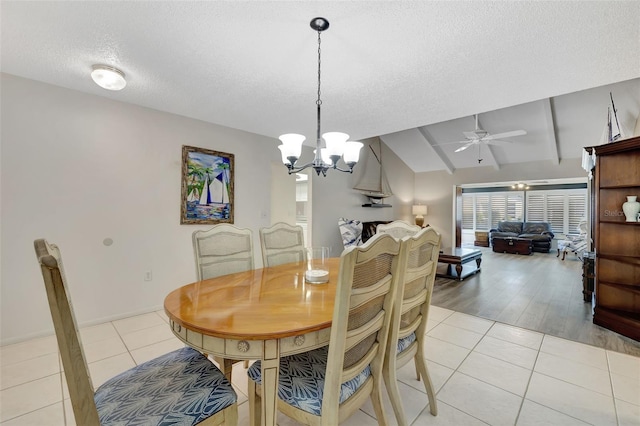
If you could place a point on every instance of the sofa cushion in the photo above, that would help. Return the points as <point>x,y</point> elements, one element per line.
<point>508,226</point>
<point>499,234</point>
<point>536,227</point>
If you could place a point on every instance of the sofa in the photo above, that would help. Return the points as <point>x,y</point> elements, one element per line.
<point>539,233</point>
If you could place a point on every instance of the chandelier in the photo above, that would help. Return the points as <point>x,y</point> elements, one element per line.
<point>336,143</point>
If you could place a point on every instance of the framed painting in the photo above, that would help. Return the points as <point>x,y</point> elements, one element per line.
<point>207,186</point>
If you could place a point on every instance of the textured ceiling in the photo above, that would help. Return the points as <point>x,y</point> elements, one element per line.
<point>412,72</point>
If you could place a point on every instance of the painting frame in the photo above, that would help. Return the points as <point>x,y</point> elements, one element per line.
<point>207,193</point>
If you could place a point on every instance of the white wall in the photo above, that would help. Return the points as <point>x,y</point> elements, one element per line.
<point>435,188</point>
<point>78,168</point>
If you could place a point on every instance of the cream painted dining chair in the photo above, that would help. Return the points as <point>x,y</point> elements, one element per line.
<point>222,250</point>
<point>409,318</point>
<point>181,387</point>
<point>398,229</point>
<point>327,385</point>
<point>282,243</point>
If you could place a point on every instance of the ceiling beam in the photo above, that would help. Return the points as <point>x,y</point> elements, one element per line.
<point>550,139</point>
<point>488,150</point>
<point>436,150</point>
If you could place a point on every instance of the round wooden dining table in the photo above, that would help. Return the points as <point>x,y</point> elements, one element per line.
<point>259,314</point>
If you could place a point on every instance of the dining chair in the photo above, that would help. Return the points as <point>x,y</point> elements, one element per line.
<point>282,243</point>
<point>181,387</point>
<point>326,385</point>
<point>398,229</point>
<point>409,318</point>
<point>222,250</point>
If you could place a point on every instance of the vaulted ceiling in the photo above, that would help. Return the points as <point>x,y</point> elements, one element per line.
<point>413,73</point>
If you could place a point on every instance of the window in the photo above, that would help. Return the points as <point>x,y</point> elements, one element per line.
<point>483,210</point>
<point>563,209</point>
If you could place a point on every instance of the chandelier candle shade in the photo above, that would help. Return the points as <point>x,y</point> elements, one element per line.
<point>419,211</point>
<point>336,143</point>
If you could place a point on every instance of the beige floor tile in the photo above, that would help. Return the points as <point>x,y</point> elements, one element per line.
<point>447,416</point>
<point>628,414</point>
<point>102,349</point>
<point>468,322</point>
<point>239,378</point>
<point>575,401</point>
<point>520,336</point>
<point>624,364</point>
<point>480,400</point>
<point>457,336</point>
<point>163,315</point>
<point>98,332</point>
<point>444,353</point>
<point>586,354</point>
<point>139,322</point>
<point>507,351</point>
<point>147,336</point>
<point>413,403</point>
<point>155,350</point>
<point>23,351</point>
<point>502,374</point>
<point>50,416</point>
<point>579,374</point>
<point>29,370</point>
<point>626,388</point>
<point>437,314</point>
<point>439,375</point>
<point>28,397</point>
<point>532,414</point>
<point>107,368</point>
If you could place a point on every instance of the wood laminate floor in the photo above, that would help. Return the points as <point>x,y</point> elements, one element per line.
<point>539,292</point>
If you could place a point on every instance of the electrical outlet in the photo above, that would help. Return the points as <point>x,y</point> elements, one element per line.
<point>148,276</point>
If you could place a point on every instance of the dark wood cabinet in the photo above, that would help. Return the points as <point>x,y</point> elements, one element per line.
<point>617,242</point>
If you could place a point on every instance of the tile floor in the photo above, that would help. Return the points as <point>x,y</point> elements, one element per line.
<point>484,372</point>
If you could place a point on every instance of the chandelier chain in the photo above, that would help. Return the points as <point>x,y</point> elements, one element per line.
<point>319,101</point>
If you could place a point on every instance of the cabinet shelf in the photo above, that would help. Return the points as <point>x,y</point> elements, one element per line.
<point>618,222</point>
<point>622,186</point>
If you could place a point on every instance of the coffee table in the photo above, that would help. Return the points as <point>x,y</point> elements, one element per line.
<point>460,258</point>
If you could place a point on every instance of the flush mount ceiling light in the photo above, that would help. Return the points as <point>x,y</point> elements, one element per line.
<point>336,143</point>
<point>108,77</point>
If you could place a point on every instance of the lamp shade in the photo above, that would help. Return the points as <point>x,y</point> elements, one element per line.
<point>419,210</point>
<point>335,142</point>
<point>291,145</point>
<point>352,152</point>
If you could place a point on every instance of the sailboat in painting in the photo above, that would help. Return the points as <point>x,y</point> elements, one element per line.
<point>215,192</point>
<point>373,181</point>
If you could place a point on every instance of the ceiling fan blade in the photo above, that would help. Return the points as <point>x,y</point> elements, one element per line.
<point>505,135</point>
<point>496,142</point>
<point>470,135</point>
<point>450,143</point>
<point>463,147</point>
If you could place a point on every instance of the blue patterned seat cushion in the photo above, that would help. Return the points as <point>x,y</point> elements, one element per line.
<point>179,388</point>
<point>405,342</point>
<point>301,380</point>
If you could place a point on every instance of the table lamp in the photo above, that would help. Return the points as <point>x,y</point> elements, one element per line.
<point>419,210</point>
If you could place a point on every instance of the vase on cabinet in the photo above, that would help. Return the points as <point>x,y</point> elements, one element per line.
<point>631,208</point>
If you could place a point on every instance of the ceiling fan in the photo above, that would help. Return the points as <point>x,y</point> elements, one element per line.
<point>480,136</point>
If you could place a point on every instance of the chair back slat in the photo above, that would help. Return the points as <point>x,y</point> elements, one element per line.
<point>282,243</point>
<point>69,342</point>
<point>222,250</point>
